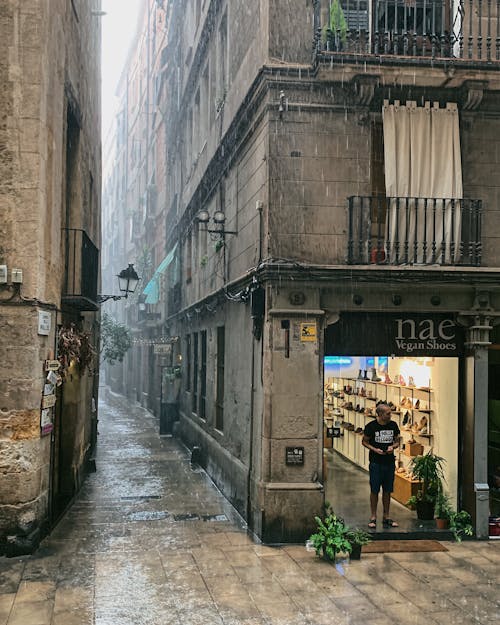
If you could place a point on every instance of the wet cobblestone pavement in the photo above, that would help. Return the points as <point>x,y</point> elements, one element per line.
<point>150,541</point>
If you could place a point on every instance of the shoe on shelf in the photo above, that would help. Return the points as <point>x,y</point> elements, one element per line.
<point>423,425</point>
<point>387,379</point>
<point>375,377</point>
<point>410,381</point>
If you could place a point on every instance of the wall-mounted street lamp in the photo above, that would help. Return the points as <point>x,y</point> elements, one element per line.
<point>218,232</point>
<point>127,283</point>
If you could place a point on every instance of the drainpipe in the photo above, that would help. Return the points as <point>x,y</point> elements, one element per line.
<point>260,207</point>
<point>250,451</point>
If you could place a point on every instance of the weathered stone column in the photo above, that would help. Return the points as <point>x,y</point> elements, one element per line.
<point>289,482</point>
<point>478,322</point>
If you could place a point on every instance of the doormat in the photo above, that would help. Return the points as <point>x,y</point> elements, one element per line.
<point>395,546</point>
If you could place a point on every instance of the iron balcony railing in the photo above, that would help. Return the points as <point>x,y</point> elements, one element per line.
<point>423,231</point>
<point>448,29</point>
<point>82,270</point>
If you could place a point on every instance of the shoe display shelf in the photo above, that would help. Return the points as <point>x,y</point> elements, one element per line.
<point>351,403</point>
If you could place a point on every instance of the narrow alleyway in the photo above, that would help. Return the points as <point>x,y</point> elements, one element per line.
<point>150,541</point>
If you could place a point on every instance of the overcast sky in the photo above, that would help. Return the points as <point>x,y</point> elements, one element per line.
<point>118,27</point>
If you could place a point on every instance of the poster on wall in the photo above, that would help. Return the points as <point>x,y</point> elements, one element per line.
<point>308,332</point>
<point>46,421</point>
<point>48,396</point>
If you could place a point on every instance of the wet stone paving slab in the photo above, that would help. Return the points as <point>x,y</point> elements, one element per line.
<point>151,541</point>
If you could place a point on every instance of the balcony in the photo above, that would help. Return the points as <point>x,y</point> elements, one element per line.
<point>416,30</point>
<point>82,270</point>
<point>414,231</point>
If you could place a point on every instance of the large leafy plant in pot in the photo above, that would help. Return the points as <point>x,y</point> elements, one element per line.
<point>429,470</point>
<point>330,537</point>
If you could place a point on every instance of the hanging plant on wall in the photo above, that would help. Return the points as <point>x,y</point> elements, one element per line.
<point>74,346</point>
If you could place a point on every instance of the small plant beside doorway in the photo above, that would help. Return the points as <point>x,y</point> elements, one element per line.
<point>357,537</point>
<point>461,525</point>
<point>333,536</point>
<point>443,510</point>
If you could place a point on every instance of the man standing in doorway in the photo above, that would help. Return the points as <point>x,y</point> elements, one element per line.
<point>381,437</point>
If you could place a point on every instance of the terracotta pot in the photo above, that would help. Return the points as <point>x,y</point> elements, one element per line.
<point>442,524</point>
<point>377,256</point>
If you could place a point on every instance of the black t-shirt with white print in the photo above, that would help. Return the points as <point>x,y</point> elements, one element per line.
<point>382,436</point>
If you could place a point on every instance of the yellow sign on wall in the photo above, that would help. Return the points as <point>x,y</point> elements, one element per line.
<point>308,331</point>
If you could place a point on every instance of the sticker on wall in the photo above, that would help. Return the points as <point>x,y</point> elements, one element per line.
<point>46,421</point>
<point>44,322</point>
<point>307,332</point>
<point>48,401</point>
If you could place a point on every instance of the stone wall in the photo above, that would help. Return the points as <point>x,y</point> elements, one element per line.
<point>49,62</point>
<point>317,159</point>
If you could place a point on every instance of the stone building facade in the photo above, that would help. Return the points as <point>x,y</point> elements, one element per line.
<point>50,164</point>
<point>276,233</point>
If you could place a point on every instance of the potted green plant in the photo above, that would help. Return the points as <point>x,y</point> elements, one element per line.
<point>461,525</point>
<point>335,32</point>
<point>428,469</point>
<point>442,510</point>
<point>330,537</point>
<point>357,537</point>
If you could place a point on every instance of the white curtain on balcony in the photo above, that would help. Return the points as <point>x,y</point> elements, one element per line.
<point>422,162</point>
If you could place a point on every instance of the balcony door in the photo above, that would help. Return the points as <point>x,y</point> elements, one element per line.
<point>423,179</point>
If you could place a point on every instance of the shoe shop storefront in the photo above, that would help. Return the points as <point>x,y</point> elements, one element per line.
<point>412,362</point>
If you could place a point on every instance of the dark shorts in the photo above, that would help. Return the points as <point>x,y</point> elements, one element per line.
<point>381,475</point>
